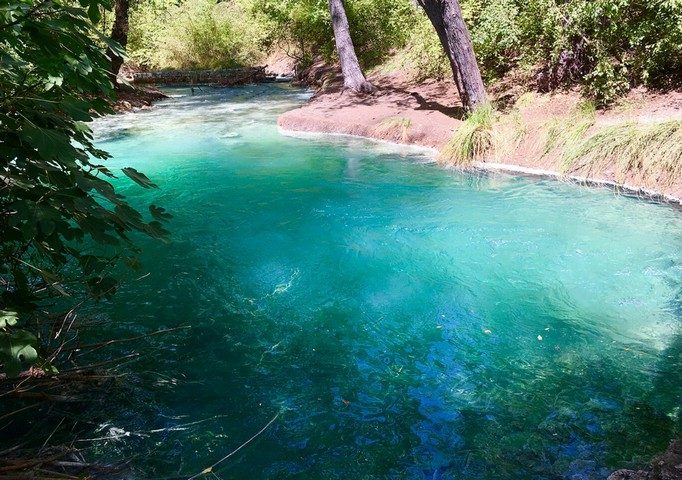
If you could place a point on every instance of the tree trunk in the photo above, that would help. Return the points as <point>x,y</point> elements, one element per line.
<point>353,78</point>
<point>119,33</point>
<point>446,18</point>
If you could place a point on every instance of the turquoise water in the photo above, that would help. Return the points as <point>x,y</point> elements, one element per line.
<point>405,321</point>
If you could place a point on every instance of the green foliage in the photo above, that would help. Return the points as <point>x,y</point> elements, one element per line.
<point>209,34</point>
<point>495,33</point>
<point>423,55</point>
<point>303,27</point>
<point>195,34</point>
<point>472,140</point>
<point>379,27</point>
<point>607,45</point>
<point>55,200</point>
<point>17,351</point>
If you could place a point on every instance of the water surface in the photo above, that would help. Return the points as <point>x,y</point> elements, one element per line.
<point>405,321</point>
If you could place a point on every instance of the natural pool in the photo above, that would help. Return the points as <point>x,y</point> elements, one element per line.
<point>405,321</point>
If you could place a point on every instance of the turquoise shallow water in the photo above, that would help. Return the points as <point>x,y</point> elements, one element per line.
<point>405,321</point>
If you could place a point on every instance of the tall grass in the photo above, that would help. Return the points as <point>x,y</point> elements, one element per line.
<point>574,144</point>
<point>565,133</point>
<point>472,140</point>
<point>653,150</point>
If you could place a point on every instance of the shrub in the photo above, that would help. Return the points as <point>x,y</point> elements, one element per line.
<point>423,55</point>
<point>495,33</point>
<point>302,28</point>
<point>195,34</point>
<point>607,46</point>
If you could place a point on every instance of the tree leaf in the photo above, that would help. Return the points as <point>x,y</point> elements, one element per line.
<point>159,213</point>
<point>18,351</point>
<point>94,13</point>
<point>139,178</point>
<point>8,318</point>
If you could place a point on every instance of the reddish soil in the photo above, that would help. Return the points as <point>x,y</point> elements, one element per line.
<point>638,107</point>
<point>429,112</point>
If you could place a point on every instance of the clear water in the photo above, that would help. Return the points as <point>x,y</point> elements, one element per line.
<point>405,321</point>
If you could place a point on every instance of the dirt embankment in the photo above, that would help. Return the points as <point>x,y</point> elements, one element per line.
<point>429,113</point>
<point>424,114</point>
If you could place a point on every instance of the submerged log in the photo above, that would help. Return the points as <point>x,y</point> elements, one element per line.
<point>220,78</point>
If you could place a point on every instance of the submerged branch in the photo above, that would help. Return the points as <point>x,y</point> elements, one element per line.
<point>96,346</point>
<point>208,470</point>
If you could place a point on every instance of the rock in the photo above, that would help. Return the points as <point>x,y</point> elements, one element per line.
<point>629,475</point>
<point>667,466</point>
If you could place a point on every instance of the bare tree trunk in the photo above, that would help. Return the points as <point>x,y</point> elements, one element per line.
<point>446,18</point>
<point>353,78</point>
<point>119,33</point>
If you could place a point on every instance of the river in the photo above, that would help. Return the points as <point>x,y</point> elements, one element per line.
<point>401,320</point>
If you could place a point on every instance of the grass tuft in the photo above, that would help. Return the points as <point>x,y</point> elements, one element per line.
<point>472,140</point>
<point>395,128</point>
<point>564,133</point>
<point>653,150</point>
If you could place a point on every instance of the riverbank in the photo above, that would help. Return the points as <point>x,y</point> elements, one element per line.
<point>129,98</point>
<point>540,134</point>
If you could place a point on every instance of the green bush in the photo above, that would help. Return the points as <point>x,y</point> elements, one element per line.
<point>194,34</point>
<point>495,33</point>
<point>423,56</point>
<point>608,46</point>
<point>303,27</point>
<point>379,27</point>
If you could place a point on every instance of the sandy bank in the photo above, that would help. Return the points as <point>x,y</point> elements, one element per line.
<point>428,114</point>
